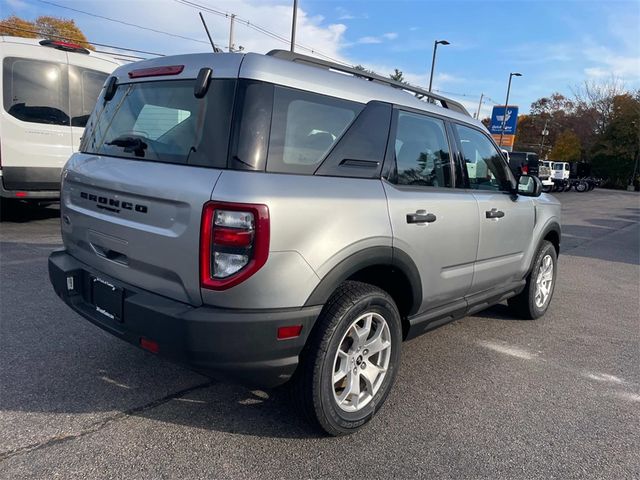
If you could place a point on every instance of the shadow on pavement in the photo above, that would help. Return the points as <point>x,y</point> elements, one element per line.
<point>21,212</point>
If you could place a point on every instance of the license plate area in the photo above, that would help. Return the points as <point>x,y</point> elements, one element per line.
<point>107,298</point>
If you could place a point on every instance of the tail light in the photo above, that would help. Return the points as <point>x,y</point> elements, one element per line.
<point>525,169</point>
<point>234,243</point>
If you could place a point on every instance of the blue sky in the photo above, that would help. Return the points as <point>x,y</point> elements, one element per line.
<point>554,44</point>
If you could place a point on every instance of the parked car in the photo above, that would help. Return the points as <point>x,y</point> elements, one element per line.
<point>523,163</point>
<point>49,88</point>
<point>266,219</point>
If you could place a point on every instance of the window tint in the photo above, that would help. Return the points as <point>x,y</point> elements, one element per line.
<point>305,126</point>
<point>36,91</point>
<point>163,121</point>
<point>422,152</point>
<point>484,163</point>
<point>85,86</point>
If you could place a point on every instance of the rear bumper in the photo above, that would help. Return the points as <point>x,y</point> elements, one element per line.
<point>235,345</point>
<point>26,183</point>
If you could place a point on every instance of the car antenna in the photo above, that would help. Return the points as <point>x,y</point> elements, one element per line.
<point>215,49</point>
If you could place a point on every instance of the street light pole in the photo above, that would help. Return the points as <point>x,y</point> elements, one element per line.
<point>433,60</point>
<point>506,105</point>
<point>293,25</point>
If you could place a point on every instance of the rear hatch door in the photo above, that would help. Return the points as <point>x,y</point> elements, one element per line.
<point>132,199</point>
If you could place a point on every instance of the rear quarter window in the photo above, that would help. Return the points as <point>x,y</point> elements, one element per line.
<point>305,127</point>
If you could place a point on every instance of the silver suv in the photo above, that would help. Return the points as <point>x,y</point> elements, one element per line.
<point>266,218</point>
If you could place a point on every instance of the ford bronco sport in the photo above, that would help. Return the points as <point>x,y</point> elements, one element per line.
<point>266,218</point>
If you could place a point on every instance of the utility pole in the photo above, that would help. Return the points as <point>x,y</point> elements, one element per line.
<point>545,132</point>
<point>293,25</point>
<point>232,47</point>
<point>479,106</point>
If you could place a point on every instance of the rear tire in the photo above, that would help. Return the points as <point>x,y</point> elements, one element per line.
<point>351,359</point>
<point>534,300</point>
<point>582,187</point>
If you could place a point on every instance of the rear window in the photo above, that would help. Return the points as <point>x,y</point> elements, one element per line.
<point>305,126</point>
<point>36,91</point>
<point>163,121</point>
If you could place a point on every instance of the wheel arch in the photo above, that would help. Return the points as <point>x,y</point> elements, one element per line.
<point>386,267</point>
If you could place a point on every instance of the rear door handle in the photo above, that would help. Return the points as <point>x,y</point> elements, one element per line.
<point>494,213</point>
<point>421,216</point>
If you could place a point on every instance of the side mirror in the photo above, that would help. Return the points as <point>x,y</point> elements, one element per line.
<point>529,186</point>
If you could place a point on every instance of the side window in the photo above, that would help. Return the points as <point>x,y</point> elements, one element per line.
<point>85,86</point>
<point>304,128</point>
<point>484,163</point>
<point>422,151</point>
<point>36,91</point>
<point>155,121</point>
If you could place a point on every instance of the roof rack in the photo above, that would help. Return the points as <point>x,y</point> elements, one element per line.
<point>372,77</point>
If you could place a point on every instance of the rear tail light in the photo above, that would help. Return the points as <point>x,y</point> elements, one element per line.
<point>156,71</point>
<point>234,243</point>
<point>525,169</point>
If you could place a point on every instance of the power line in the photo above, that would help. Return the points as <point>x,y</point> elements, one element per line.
<point>123,22</point>
<point>258,28</point>
<point>80,40</point>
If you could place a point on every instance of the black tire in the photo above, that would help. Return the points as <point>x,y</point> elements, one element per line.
<point>567,187</point>
<point>582,187</point>
<point>547,188</point>
<point>313,386</point>
<point>524,304</point>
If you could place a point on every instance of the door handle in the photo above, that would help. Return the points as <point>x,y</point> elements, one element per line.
<point>421,216</point>
<point>494,213</point>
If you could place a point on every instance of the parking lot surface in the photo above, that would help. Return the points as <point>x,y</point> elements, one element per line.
<point>487,396</point>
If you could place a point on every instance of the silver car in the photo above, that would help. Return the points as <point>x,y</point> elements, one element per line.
<point>275,218</point>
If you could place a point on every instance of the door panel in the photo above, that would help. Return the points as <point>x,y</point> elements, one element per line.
<point>505,220</point>
<point>502,239</point>
<point>444,250</point>
<point>436,225</point>
<point>34,117</point>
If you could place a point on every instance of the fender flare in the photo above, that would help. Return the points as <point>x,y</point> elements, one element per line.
<point>368,257</point>
<point>552,226</point>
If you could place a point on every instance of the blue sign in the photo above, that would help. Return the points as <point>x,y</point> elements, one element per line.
<point>510,122</point>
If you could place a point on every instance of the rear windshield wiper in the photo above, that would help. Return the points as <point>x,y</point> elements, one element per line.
<point>133,145</point>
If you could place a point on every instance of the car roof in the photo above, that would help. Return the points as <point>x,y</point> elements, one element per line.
<point>30,43</point>
<point>287,73</point>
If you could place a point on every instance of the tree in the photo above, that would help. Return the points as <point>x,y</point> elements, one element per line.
<point>398,76</point>
<point>566,148</point>
<point>617,150</point>
<point>15,26</point>
<point>52,28</point>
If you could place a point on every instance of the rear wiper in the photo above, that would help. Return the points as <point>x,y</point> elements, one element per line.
<point>130,144</point>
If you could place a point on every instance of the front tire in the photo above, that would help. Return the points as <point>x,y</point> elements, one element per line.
<point>534,300</point>
<point>351,359</point>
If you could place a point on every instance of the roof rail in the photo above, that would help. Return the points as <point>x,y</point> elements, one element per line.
<point>372,77</point>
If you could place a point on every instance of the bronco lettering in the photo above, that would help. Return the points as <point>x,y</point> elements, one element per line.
<point>115,205</point>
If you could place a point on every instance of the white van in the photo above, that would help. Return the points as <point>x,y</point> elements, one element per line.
<point>49,88</point>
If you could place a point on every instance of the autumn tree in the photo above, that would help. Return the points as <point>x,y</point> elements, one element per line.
<point>617,150</point>
<point>566,147</point>
<point>52,28</point>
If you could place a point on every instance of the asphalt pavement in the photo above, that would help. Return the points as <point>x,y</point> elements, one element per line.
<point>487,396</point>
